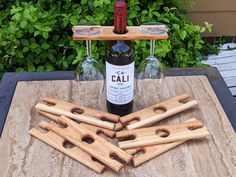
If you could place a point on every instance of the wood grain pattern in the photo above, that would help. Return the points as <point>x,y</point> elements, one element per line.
<point>95,146</point>
<point>76,153</point>
<point>77,117</point>
<point>77,112</point>
<point>71,107</point>
<point>132,34</point>
<point>92,128</point>
<point>23,155</point>
<point>162,134</point>
<point>112,119</point>
<point>155,113</point>
<point>145,153</point>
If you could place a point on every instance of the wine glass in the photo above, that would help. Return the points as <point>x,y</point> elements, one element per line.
<point>89,69</point>
<point>151,68</point>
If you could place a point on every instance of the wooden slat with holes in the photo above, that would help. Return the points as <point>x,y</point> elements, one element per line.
<point>150,152</point>
<point>146,153</point>
<point>92,128</point>
<point>76,153</point>
<point>161,134</point>
<point>150,115</point>
<point>75,111</point>
<point>133,33</point>
<point>98,147</point>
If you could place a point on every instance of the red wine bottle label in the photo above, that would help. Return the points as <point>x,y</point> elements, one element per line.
<point>120,83</point>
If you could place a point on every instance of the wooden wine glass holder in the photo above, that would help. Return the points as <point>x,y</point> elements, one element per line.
<point>149,152</point>
<point>155,113</point>
<point>86,115</point>
<point>133,33</point>
<point>193,129</point>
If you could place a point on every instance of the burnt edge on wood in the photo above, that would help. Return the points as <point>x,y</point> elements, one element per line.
<point>10,80</point>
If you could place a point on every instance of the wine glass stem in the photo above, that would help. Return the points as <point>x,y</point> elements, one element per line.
<point>152,48</point>
<point>89,48</point>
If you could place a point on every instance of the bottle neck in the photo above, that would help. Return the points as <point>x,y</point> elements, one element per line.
<point>120,17</point>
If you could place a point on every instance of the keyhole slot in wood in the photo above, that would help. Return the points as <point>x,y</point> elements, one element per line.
<point>116,157</point>
<point>127,138</point>
<point>194,127</point>
<point>184,100</point>
<point>49,102</point>
<point>95,160</point>
<point>43,130</point>
<point>63,126</point>
<point>77,111</point>
<point>103,134</point>
<point>139,152</point>
<point>132,120</point>
<point>103,118</point>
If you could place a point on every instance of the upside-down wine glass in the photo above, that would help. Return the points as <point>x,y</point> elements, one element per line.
<point>89,69</point>
<point>151,67</point>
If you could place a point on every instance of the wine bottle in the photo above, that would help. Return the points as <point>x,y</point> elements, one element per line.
<point>120,67</point>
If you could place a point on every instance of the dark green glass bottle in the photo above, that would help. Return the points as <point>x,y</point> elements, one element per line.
<point>120,67</point>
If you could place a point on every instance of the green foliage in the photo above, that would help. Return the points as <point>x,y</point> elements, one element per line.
<point>210,48</point>
<point>36,35</point>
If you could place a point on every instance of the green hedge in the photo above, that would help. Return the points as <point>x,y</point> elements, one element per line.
<point>36,35</point>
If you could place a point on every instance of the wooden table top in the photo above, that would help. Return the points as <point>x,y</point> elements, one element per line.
<point>23,155</point>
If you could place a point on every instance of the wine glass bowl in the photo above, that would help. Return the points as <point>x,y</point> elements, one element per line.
<point>89,69</point>
<point>151,67</point>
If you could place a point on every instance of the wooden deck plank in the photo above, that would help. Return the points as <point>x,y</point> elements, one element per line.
<point>226,66</point>
<point>225,62</point>
<point>223,54</point>
<point>231,59</point>
<point>230,81</point>
<point>228,73</point>
<point>233,91</point>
